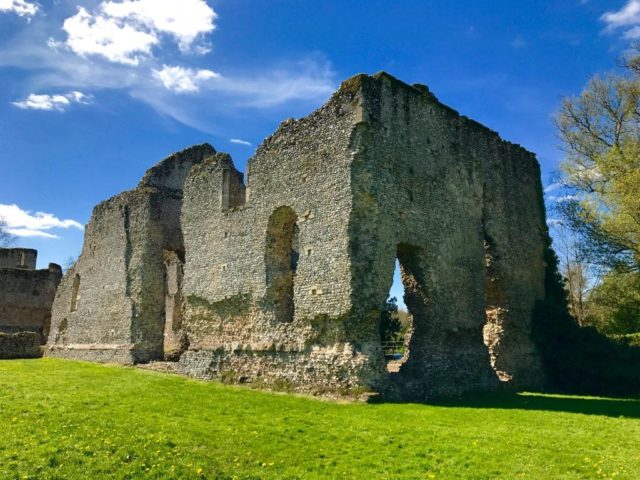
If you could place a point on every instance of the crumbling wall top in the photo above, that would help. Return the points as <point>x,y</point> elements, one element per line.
<point>167,176</point>
<point>171,172</point>
<point>363,81</point>
<point>18,258</point>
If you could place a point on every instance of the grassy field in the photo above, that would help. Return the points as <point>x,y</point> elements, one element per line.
<point>62,419</point>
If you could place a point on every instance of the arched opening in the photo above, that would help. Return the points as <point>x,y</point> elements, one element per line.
<point>496,309</point>
<point>174,338</point>
<point>397,317</point>
<point>281,262</point>
<point>75,288</point>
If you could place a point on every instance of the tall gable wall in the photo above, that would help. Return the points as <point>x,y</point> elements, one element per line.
<point>446,196</point>
<point>233,322</point>
<point>111,304</point>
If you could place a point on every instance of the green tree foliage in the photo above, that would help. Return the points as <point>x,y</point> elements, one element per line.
<point>600,130</point>
<point>390,325</point>
<point>614,304</point>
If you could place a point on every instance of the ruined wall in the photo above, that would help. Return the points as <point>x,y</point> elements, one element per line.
<point>111,304</point>
<point>18,258</point>
<point>281,280</point>
<point>26,295</point>
<point>20,345</point>
<point>445,195</point>
<point>383,171</point>
<point>248,314</point>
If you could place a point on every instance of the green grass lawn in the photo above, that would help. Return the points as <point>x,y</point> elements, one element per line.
<point>63,419</point>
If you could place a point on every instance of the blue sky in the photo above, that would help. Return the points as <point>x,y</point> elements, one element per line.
<point>92,93</point>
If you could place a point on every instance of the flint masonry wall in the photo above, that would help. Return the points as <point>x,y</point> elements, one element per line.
<point>383,171</point>
<point>461,210</point>
<point>18,258</point>
<point>238,318</point>
<point>26,294</point>
<point>281,280</point>
<point>111,304</point>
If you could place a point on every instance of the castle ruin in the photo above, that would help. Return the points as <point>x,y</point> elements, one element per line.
<point>26,294</point>
<point>281,278</point>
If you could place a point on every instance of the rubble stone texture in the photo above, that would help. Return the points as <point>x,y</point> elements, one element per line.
<point>26,294</point>
<point>111,304</point>
<point>280,281</point>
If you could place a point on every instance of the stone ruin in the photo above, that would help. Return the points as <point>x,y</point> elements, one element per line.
<point>280,279</point>
<point>26,296</point>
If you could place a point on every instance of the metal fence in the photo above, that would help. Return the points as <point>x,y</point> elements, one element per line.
<point>393,350</point>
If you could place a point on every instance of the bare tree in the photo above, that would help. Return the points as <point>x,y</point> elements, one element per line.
<point>578,277</point>
<point>6,238</point>
<point>69,262</point>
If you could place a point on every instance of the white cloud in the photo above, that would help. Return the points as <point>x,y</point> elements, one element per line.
<point>112,39</point>
<point>202,49</point>
<point>185,20</point>
<point>632,33</point>
<point>58,102</point>
<point>182,80</point>
<point>307,80</point>
<point>302,85</point>
<point>19,7</point>
<point>55,44</point>
<point>239,141</point>
<point>562,198</point>
<point>627,15</point>
<point>54,67</point>
<point>552,187</point>
<point>23,223</point>
<point>126,31</point>
<point>627,18</point>
<point>28,232</point>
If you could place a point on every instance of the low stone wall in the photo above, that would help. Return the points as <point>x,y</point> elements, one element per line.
<point>125,354</point>
<point>26,297</point>
<point>317,371</point>
<point>20,345</point>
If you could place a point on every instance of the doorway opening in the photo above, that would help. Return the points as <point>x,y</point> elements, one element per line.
<point>397,316</point>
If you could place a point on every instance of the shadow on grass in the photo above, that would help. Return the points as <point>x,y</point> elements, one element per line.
<point>610,407</point>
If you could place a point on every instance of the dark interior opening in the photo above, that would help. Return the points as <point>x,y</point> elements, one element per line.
<point>281,262</point>
<point>75,293</point>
